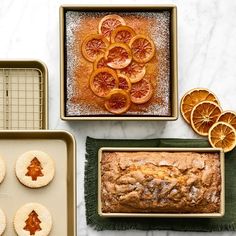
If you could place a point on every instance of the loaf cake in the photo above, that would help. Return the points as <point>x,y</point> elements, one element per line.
<point>160,182</point>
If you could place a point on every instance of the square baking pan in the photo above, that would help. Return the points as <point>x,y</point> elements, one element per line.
<point>59,196</point>
<point>82,104</point>
<point>164,215</point>
<point>23,95</point>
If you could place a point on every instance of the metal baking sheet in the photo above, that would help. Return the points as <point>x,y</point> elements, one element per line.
<point>75,104</point>
<point>23,95</point>
<point>59,196</point>
<point>165,215</point>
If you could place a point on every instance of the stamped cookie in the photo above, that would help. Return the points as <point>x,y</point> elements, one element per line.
<point>35,169</point>
<point>2,170</point>
<point>33,219</point>
<point>2,222</point>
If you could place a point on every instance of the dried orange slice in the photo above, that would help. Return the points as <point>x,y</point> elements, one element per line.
<point>102,81</point>
<point>118,101</point>
<point>109,23</point>
<point>122,34</point>
<point>141,91</point>
<point>192,97</point>
<point>93,46</point>
<point>135,71</point>
<point>124,82</point>
<point>228,117</point>
<point>143,48</point>
<point>100,62</point>
<point>203,116</point>
<point>118,55</point>
<point>222,135</point>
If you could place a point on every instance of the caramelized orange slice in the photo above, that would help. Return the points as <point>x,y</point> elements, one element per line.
<point>124,82</point>
<point>118,101</point>
<point>228,117</point>
<point>100,62</point>
<point>203,116</point>
<point>118,56</point>
<point>192,97</point>
<point>102,81</point>
<point>141,91</point>
<point>109,23</point>
<point>122,34</point>
<point>93,46</point>
<point>143,48</point>
<point>222,135</point>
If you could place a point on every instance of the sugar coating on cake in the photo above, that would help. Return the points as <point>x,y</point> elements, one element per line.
<point>164,182</point>
<point>80,101</point>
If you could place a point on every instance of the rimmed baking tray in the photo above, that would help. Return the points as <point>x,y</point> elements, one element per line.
<point>59,196</point>
<point>23,95</point>
<point>66,65</point>
<point>164,215</point>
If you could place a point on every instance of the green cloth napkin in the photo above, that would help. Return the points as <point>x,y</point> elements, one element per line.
<point>228,222</point>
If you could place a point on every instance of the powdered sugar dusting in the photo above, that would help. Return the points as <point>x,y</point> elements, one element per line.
<point>158,29</point>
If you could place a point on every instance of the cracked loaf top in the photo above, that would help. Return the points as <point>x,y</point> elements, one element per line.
<point>172,182</point>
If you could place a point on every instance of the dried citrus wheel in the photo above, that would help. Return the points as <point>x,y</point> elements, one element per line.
<point>192,97</point>
<point>122,34</point>
<point>118,55</point>
<point>109,23</point>
<point>100,62</point>
<point>143,48</point>
<point>102,81</point>
<point>93,46</point>
<point>135,71</point>
<point>228,117</point>
<point>124,82</point>
<point>203,116</point>
<point>118,101</point>
<point>222,135</point>
<point>141,91</point>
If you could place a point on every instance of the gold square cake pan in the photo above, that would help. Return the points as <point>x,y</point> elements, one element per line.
<point>59,196</point>
<point>23,95</point>
<point>164,215</point>
<point>173,59</point>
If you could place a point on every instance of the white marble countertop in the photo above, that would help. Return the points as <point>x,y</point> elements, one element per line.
<point>207,57</point>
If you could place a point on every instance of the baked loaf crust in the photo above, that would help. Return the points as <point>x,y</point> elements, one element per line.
<point>172,182</point>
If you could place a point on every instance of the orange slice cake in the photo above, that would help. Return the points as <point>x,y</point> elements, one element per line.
<point>118,101</point>
<point>122,34</point>
<point>118,55</point>
<point>102,81</point>
<point>143,48</point>
<point>134,71</point>
<point>228,117</point>
<point>141,91</point>
<point>192,97</point>
<point>93,46</point>
<point>222,135</point>
<point>203,116</point>
<point>109,23</point>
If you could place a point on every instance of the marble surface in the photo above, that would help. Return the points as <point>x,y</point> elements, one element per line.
<point>207,56</point>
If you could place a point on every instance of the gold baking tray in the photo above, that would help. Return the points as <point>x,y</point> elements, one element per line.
<point>164,215</point>
<point>173,59</point>
<point>23,95</point>
<point>59,196</point>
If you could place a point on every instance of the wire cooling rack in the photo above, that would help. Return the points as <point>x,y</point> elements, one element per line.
<point>21,98</point>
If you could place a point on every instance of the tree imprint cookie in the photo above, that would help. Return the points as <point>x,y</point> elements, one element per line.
<point>2,222</point>
<point>2,170</point>
<point>33,219</point>
<point>35,169</point>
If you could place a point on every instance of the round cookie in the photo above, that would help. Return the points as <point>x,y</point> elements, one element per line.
<point>33,219</point>
<point>35,169</point>
<point>2,170</point>
<point>2,222</point>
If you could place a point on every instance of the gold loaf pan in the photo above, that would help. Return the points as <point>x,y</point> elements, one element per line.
<point>59,196</point>
<point>23,95</point>
<point>165,215</point>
